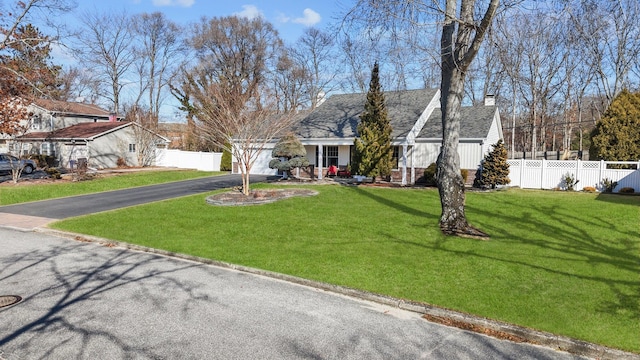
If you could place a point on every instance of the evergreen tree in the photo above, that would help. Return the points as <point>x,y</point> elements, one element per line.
<point>372,149</point>
<point>616,136</point>
<point>495,170</point>
<point>292,150</point>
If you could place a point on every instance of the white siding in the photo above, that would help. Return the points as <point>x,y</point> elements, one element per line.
<point>424,154</point>
<point>471,154</point>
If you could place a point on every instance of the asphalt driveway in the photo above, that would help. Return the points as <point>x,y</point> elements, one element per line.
<point>87,301</point>
<point>92,203</point>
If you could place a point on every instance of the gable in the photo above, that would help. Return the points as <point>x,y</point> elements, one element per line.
<point>339,116</point>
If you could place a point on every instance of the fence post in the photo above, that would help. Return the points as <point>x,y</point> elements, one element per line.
<point>602,165</point>
<point>544,165</point>
<point>578,171</point>
<point>522,164</point>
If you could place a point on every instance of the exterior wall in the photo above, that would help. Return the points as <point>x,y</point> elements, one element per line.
<point>105,150</point>
<point>423,154</point>
<point>261,165</point>
<point>45,120</point>
<point>471,154</point>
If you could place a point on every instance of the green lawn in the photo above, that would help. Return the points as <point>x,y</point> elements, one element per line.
<point>24,192</point>
<point>568,263</point>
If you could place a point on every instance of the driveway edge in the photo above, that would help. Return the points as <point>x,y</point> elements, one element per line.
<point>431,313</point>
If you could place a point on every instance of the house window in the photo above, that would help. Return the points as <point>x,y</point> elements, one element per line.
<point>36,123</point>
<point>329,156</point>
<point>132,148</point>
<point>47,149</point>
<point>395,158</point>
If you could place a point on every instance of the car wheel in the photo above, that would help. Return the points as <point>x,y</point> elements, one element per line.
<point>28,169</point>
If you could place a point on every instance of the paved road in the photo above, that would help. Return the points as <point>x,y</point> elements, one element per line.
<point>92,203</point>
<point>86,301</point>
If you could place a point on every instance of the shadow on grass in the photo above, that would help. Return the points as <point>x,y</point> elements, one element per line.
<point>394,204</point>
<point>564,232</point>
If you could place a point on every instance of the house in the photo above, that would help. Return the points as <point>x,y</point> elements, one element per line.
<point>328,132</point>
<point>69,131</point>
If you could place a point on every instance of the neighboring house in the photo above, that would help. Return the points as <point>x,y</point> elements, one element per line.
<point>102,144</point>
<point>69,131</point>
<point>328,132</point>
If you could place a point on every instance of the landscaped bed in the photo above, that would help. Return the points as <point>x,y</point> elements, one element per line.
<point>562,262</point>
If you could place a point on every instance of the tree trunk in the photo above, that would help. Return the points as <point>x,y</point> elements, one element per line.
<point>450,185</point>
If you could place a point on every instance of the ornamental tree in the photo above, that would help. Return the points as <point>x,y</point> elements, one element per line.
<point>372,149</point>
<point>495,169</point>
<point>616,136</point>
<point>288,154</point>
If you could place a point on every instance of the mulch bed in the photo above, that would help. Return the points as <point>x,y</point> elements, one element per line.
<point>255,197</point>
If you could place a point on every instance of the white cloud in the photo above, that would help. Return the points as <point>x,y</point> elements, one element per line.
<point>309,18</point>
<point>249,12</point>
<point>182,3</point>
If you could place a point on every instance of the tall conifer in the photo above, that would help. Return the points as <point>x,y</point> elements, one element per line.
<point>372,154</point>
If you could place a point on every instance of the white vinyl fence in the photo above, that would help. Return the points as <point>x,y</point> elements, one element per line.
<point>205,161</point>
<point>549,174</point>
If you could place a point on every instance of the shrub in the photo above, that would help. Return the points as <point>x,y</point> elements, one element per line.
<point>225,162</point>
<point>121,162</point>
<point>609,185</point>
<point>54,173</point>
<point>569,181</point>
<point>430,174</point>
<point>589,189</point>
<point>465,175</point>
<point>627,190</point>
<point>495,169</point>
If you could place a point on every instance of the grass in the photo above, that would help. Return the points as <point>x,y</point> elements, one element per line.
<point>566,263</point>
<point>13,194</point>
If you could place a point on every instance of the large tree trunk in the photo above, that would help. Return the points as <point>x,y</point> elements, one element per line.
<point>455,57</point>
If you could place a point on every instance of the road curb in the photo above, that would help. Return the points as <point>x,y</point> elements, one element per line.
<point>430,312</point>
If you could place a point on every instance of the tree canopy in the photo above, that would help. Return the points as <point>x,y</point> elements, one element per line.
<point>616,136</point>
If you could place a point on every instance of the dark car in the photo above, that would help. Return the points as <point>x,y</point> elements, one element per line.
<point>8,162</point>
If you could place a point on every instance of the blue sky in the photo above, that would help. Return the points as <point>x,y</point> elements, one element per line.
<point>290,17</point>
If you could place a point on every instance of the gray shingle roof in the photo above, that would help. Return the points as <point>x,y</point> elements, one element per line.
<point>339,116</point>
<point>475,122</point>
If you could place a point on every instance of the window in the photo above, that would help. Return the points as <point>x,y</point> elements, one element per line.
<point>329,156</point>
<point>132,148</point>
<point>395,158</point>
<point>36,123</point>
<point>47,149</point>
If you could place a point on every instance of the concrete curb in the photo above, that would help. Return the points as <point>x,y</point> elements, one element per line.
<point>523,334</point>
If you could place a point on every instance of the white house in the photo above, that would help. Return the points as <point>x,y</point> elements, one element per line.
<point>328,132</point>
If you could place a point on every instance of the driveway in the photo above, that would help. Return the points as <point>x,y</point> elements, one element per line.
<point>86,301</point>
<point>92,203</point>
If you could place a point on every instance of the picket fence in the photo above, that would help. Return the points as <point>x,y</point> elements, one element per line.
<point>205,161</point>
<point>549,174</point>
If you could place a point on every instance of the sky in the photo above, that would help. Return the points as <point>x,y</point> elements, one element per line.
<point>290,17</point>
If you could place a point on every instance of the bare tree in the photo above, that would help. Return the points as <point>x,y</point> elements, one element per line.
<point>145,133</point>
<point>228,90</point>
<point>610,32</point>
<point>315,53</point>
<point>160,49</point>
<point>107,44</point>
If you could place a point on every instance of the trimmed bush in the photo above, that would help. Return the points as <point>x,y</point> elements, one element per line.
<point>589,189</point>
<point>627,190</point>
<point>430,175</point>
